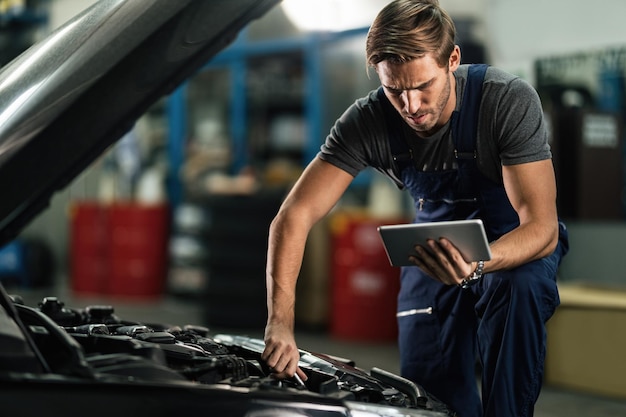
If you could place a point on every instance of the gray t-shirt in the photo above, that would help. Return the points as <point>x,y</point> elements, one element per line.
<point>511,130</point>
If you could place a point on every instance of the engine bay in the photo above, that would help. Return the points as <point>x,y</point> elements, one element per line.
<point>94,344</point>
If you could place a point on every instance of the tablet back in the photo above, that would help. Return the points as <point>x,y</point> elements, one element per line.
<point>467,235</point>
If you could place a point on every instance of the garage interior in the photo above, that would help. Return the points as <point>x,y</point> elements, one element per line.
<point>170,204</point>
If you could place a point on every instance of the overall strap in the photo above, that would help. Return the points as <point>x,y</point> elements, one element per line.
<point>465,123</point>
<point>400,150</point>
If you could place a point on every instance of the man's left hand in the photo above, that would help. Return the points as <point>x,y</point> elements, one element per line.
<point>442,261</point>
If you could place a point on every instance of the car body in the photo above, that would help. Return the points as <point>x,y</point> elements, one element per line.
<point>66,100</point>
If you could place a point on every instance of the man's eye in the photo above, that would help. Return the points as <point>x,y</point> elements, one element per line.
<point>394,92</point>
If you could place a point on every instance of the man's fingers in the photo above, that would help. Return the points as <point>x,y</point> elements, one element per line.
<point>301,374</point>
<point>298,375</point>
<point>282,362</point>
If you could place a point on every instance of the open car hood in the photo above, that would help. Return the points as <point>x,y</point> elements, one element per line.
<point>69,97</point>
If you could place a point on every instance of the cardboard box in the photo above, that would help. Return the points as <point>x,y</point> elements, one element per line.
<point>587,341</point>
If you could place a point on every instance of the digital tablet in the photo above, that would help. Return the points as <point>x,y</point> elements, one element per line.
<point>467,235</point>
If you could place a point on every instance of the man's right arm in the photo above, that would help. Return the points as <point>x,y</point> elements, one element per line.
<point>317,191</point>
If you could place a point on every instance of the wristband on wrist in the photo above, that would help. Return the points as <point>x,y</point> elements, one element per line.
<point>474,276</point>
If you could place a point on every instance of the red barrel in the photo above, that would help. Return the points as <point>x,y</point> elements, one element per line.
<point>119,249</point>
<point>138,237</point>
<point>88,248</point>
<point>364,285</point>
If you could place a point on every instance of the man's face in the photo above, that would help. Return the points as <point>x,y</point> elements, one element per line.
<point>421,91</point>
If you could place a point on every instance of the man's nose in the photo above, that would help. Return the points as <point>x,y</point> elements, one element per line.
<point>411,101</point>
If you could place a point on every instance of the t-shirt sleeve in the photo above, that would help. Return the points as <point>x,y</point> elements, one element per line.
<point>354,140</point>
<point>523,136</point>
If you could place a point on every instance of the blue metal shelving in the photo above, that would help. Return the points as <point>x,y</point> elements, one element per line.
<point>235,58</point>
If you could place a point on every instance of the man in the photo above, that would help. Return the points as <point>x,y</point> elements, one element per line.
<point>466,142</point>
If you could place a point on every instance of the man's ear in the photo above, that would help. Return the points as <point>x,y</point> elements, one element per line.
<point>455,59</point>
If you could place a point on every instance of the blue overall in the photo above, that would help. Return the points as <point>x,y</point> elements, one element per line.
<point>501,320</point>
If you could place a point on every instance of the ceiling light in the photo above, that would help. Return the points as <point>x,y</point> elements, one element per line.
<point>331,15</point>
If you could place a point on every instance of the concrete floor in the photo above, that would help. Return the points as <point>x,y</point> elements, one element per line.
<point>553,401</point>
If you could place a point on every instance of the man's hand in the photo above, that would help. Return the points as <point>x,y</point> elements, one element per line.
<point>281,353</point>
<point>443,262</point>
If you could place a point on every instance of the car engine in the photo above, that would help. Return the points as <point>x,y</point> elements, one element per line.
<point>94,344</point>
